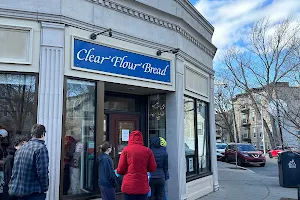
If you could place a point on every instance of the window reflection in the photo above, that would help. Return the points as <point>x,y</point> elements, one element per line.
<point>202,136</point>
<point>113,103</point>
<point>17,107</point>
<point>157,115</point>
<point>79,137</point>
<point>189,134</point>
<point>196,136</point>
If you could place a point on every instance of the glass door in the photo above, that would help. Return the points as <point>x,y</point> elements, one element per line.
<point>121,126</point>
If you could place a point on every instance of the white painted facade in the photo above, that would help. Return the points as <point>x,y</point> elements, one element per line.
<point>40,34</point>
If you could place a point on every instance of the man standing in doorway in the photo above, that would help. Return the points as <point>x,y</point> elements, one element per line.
<point>30,176</point>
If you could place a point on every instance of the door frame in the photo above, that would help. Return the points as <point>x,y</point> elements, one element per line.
<point>142,112</point>
<point>114,118</point>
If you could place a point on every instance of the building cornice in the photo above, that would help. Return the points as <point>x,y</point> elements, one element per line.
<point>68,21</point>
<point>186,4</point>
<point>158,21</point>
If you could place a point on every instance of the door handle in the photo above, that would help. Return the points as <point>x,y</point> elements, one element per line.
<point>114,153</point>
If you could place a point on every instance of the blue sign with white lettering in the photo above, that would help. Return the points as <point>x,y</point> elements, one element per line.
<point>111,60</point>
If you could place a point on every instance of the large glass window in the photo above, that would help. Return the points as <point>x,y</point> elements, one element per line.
<point>189,135</point>
<point>202,133</point>
<point>79,158</point>
<point>17,106</point>
<point>157,115</point>
<point>196,137</point>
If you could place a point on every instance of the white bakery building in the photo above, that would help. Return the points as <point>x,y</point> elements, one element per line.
<point>94,70</point>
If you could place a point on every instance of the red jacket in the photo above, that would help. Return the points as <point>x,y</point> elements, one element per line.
<point>135,161</point>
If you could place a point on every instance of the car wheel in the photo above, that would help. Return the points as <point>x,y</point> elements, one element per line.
<point>270,155</point>
<point>239,162</point>
<point>226,159</point>
<point>262,165</point>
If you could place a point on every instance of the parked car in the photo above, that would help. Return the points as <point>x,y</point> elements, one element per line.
<point>221,150</point>
<point>246,154</point>
<point>274,152</point>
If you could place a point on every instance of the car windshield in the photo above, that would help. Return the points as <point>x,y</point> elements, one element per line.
<point>221,146</point>
<point>246,148</point>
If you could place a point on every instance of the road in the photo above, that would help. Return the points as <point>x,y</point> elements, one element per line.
<point>271,168</point>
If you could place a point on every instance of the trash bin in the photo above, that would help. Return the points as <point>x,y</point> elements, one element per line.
<point>289,169</point>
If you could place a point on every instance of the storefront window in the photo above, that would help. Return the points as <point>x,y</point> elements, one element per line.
<point>196,137</point>
<point>157,115</point>
<point>202,132</point>
<point>17,106</point>
<point>189,135</point>
<point>79,155</point>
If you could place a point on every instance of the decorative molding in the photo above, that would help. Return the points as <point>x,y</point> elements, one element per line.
<point>186,4</point>
<point>52,34</point>
<point>27,59</point>
<point>52,25</point>
<point>195,62</point>
<point>192,75</point>
<point>155,20</point>
<point>68,21</point>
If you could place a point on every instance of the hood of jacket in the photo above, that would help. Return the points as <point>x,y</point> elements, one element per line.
<point>136,137</point>
<point>11,150</point>
<point>103,156</point>
<point>155,142</point>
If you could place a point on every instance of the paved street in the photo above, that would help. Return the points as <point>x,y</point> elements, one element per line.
<point>249,185</point>
<point>271,168</point>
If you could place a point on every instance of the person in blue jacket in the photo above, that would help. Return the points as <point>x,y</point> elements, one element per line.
<point>163,144</point>
<point>160,175</point>
<point>107,177</point>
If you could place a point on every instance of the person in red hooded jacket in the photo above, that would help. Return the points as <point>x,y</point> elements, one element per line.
<point>135,161</point>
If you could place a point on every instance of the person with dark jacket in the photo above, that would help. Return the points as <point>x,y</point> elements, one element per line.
<point>17,143</point>
<point>107,177</point>
<point>163,144</point>
<point>135,161</point>
<point>160,175</point>
<point>30,176</point>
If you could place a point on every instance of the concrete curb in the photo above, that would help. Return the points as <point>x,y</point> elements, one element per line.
<point>239,167</point>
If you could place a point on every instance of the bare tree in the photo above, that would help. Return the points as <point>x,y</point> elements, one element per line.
<point>224,109</point>
<point>272,56</point>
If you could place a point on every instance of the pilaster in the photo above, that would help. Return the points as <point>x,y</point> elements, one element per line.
<point>212,130</point>
<point>50,98</point>
<point>175,136</point>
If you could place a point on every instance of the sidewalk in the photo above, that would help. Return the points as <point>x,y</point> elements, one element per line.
<point>247,185</point>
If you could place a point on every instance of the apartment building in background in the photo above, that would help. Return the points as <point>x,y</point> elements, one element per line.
<point>281,103</point>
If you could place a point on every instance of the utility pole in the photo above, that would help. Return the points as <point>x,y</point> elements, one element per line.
<point>262,127</point>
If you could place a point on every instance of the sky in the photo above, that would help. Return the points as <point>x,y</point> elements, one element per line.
<point>233,18</point>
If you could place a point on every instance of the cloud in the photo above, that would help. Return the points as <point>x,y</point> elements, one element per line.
<point>233,18</point>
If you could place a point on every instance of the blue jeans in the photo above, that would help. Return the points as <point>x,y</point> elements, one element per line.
<point>166,191</point>
<point>108,193</point>
<point>35,196</point>
<point>135,197</point>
